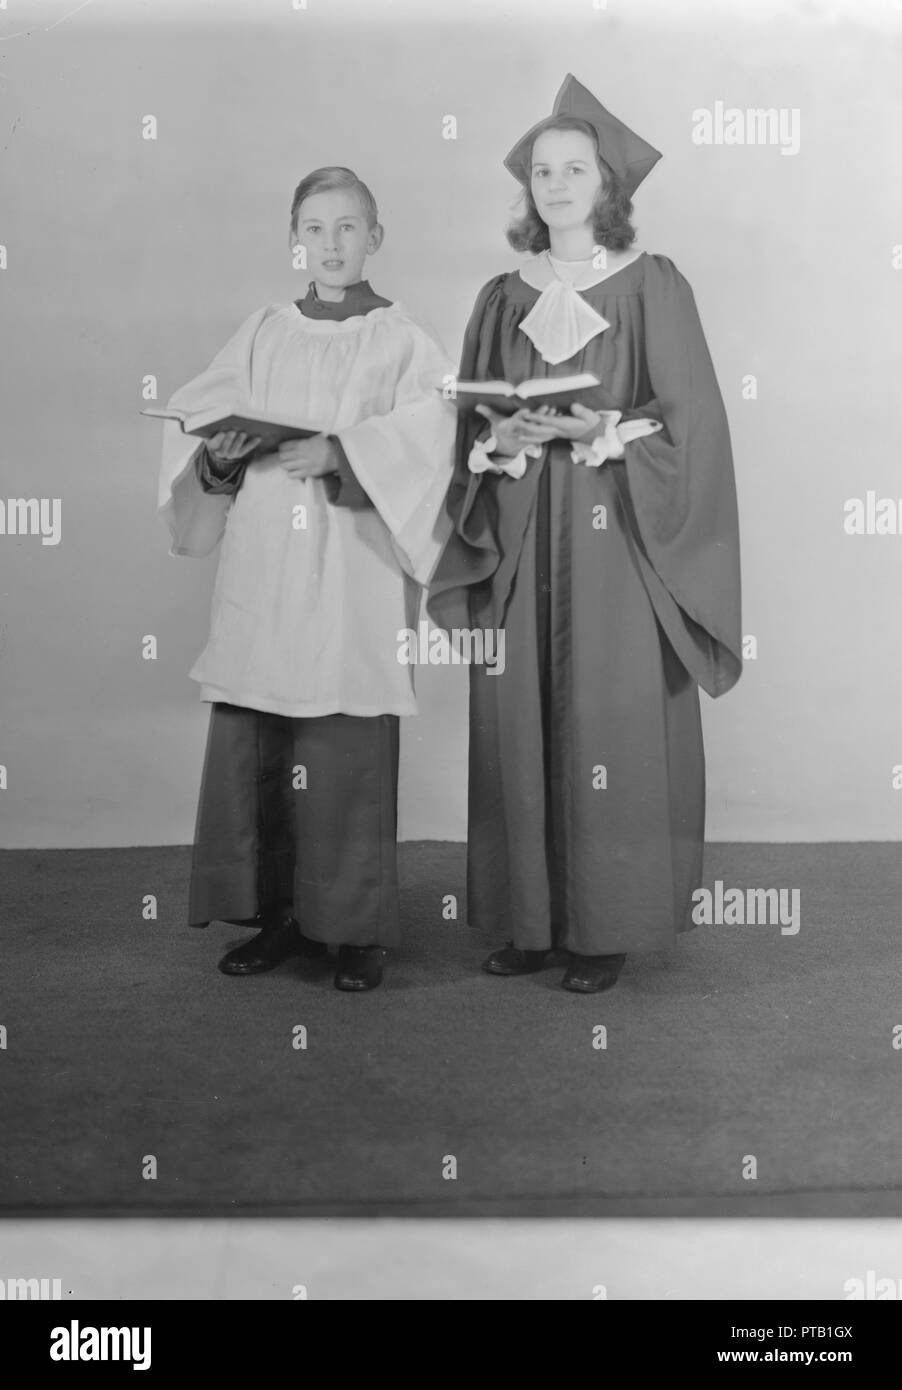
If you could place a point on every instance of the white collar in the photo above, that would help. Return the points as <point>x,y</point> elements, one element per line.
<point>330,327</point>
<point>543,270</point>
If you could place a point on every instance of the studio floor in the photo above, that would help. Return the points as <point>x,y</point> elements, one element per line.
<point>749,1072</point>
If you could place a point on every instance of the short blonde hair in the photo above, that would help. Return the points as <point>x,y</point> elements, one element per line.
<point>323,180</point>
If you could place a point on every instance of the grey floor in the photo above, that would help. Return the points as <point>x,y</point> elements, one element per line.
<point>125,1044</point>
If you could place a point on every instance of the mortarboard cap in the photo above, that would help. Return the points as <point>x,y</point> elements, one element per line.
<point>628,154</point>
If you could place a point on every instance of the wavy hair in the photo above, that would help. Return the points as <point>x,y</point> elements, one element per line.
<point>611,225</point>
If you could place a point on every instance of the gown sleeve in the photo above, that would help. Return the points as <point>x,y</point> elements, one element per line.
<point>218,479</point>
<point>472,554</point>
<point>196,517</point>
<point>402,459</point>
<point>342,487</point>
<point>679,491</point>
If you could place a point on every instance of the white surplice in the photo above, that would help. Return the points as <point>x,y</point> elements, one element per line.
<point>306,619</point>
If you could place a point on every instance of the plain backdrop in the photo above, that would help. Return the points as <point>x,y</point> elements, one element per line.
<point>127,257</point>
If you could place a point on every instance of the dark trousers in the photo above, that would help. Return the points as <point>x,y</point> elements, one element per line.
<point>300,811</point>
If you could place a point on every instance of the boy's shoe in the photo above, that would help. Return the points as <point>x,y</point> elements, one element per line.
<point>510,960</point>
<point>592,974</point>
<point>359,967</point>
<point>279,939</point>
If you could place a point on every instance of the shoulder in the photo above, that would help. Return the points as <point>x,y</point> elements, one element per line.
<point>661,272</point>
<point>395,326</point>
<point>268,315</point>
<point>669,300</point>
<point>269,311</point>
<point>501,284</point>
<point>239,342</point>
<point>496,287</point>
<point>494,292</point>
<point>394,318</point>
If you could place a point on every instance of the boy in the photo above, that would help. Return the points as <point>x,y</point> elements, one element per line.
<point>325,547</point>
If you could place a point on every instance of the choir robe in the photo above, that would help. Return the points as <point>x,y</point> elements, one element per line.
<point>617,588</point>
<point>307,673</point>
<point>305,617</point>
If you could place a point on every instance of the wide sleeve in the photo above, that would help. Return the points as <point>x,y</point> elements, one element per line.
<point>403,458</point>
<point>215,478</point>
<point>472,554</point>
<point>196,517</point>
<point>679,490</point>
<point>342,487</point>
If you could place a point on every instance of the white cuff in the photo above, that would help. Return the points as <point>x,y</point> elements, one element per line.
<point>610,445</point>
<point>603,447</point>
<point>480,461</point>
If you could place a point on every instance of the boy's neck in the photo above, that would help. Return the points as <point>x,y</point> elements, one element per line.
<point>329,294</point>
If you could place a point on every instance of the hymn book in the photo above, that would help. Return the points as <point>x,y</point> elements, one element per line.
<point>559,392</point>
<point>271,430</point>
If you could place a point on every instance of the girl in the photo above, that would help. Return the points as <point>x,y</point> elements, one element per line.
<point>604,541</point>
<point>324,548</point>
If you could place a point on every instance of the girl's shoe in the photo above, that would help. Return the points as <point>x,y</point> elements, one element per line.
<point>279,939</point>
<point>359,967</point>
<point>510,960</point>
<point>592,974</point>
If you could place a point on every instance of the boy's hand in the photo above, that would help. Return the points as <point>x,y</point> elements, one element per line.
<point>308,458</point>
<point>231,445</point>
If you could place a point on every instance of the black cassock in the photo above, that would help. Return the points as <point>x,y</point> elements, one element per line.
<point>618,591</point>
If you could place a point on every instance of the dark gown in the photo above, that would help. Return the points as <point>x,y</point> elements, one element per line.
<point>618,591</point>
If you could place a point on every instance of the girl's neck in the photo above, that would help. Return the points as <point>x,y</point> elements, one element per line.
<point>576,244</point>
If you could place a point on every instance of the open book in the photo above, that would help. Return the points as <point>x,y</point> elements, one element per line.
<point>561,392</point>
<point>271,430</point>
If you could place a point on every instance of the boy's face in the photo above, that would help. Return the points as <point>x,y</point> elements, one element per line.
<point>333,229</point>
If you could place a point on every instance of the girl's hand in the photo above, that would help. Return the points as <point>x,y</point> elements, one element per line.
<point>231,445</point>
<point>514,432</point>
<point>580,424</point>
<point>308,458</point>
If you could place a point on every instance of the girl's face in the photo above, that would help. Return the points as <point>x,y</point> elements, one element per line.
<point>566,179</point>
<point>333,229</point>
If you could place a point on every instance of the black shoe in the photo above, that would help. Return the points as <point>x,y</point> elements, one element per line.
<point>279,940</point>
<point>510,960</point>
<point>592,974</point>
<point>359,967</point>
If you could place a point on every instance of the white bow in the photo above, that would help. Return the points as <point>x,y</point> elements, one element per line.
<point>561,322</point>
